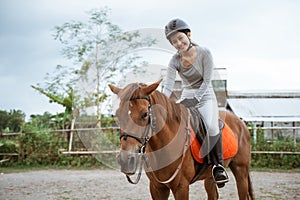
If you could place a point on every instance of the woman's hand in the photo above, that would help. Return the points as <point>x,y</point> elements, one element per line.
<point>190,102</point>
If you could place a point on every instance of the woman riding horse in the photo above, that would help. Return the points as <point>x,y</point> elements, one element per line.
<point>194,65</point>
<point>154,130</point>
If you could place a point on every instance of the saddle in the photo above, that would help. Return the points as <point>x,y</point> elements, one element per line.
<point>198,134</point>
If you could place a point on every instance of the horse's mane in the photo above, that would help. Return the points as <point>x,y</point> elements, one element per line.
<point>173,109</point>
<point>134,90</point>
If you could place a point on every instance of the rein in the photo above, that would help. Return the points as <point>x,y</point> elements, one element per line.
<point>145,139</point>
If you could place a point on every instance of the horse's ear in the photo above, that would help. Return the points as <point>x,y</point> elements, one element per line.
<point>149,89</point>
<point>114,89</point>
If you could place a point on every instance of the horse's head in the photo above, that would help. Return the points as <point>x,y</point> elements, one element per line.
<point>134,115</point>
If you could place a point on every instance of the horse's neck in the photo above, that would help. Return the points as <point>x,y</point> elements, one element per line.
<point>170,127</point>
<point>167,145</point>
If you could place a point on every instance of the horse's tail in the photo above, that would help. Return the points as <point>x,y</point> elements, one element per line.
<point>250,188</point>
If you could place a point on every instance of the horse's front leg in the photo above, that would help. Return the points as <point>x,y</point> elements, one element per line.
<point>159,192</point>
<point>211,189</point>
<point>181,192</point>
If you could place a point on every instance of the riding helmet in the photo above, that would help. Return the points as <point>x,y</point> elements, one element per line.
<point>174,26</point>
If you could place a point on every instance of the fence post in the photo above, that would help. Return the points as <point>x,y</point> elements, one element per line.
<point>294,134</point>
<point>71,134</point>
<point>255,135</point>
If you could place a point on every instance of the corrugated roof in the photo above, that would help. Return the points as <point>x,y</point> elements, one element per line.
<point>266,109</point>
<point>264,94</point>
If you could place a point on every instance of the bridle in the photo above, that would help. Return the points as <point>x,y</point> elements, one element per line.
<point>145,139</point>
<point>151,123</point>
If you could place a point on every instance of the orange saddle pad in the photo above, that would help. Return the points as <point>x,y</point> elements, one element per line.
<point>229,144</point>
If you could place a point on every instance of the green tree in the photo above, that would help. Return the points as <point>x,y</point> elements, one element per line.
<point>102,52</point>
<point>4,118</point>
<point>39,123</point>
<point>66,99</point>
<point>44,120</point>
<point>13,120</point>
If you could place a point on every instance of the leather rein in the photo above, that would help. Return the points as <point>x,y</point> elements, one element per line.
<point>145,139</point>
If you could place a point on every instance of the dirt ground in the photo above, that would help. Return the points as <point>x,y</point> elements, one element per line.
<point>112,184</point>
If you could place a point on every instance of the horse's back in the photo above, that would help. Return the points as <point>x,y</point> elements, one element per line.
<point>236,124</point>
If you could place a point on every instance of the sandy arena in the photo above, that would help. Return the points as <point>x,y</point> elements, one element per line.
<point>111,184</point>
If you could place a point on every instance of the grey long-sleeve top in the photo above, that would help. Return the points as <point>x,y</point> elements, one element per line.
<point>196,79</point>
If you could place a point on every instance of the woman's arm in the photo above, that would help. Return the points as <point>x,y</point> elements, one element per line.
<point>207,63</point>
<point>170,79</point>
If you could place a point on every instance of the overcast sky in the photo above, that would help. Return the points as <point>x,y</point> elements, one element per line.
<point>257,40</point>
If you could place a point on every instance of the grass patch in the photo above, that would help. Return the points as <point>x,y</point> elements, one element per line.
<point>264,169</point>
<point>19,169</point>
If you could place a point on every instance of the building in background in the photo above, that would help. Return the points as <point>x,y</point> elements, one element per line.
<point>277,110</point>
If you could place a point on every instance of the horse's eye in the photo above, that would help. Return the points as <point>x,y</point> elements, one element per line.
<point>144,115</point>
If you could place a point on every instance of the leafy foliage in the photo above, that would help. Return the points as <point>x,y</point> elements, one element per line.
<point>284,161</point>
<point>41,147</point>
<point>66,101</point>
<point>100,52</point>
<point>11,121</point>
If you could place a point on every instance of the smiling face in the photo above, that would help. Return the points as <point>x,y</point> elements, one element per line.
<point>180,41</point>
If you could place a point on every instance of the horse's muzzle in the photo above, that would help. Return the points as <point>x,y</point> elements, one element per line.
<point>128,162</point>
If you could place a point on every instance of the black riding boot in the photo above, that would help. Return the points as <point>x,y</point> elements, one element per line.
<point>218,171</point>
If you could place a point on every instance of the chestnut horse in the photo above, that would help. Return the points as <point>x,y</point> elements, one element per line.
<point>157,128</point>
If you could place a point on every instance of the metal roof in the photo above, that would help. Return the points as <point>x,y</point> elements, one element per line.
<point>266,109</point>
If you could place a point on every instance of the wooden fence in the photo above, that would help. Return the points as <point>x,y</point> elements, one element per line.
<point>69,151</point>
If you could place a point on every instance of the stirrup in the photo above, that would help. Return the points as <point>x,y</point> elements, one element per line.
<point>220,183</point>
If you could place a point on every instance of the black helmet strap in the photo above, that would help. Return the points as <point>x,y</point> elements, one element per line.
<point>190,46</point>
